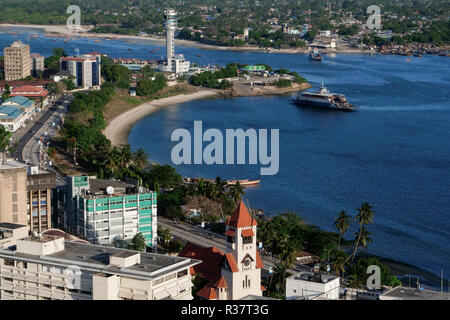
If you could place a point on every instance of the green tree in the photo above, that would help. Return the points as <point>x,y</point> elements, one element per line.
<point>140,158</point>
<point>4,140</point>
<point>138,243</point>
<point>341,224</point>
<point>236,192</point>
<point>364,217</point>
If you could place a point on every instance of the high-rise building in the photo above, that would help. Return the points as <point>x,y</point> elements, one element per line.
<point>40,184</point>
<point>86,69</point>
<point>17,61</point>
<point>51,268</point>
<point>25,195</point>
<point>102,211</point>
<point>37,65</point>
<point>170,25</point>
<point>13,192</point>
<point>174,63</point>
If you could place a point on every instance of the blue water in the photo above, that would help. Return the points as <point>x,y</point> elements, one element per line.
<point>393,153</point>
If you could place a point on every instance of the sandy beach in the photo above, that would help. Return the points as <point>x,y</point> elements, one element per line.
<point>120,127</point>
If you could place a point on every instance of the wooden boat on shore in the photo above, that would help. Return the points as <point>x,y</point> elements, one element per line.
<point>244,183</point>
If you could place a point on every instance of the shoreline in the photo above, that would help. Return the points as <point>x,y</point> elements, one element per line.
<point>119,128</point>
<point>62,30</point>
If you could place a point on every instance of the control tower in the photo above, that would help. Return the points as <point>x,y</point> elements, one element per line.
<point>170,17</point>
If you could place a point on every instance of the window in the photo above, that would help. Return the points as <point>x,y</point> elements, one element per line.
<point>247,240</point>
<point>182,273</point>
<point>9,262</point>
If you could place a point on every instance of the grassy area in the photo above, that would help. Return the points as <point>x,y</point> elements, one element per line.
<point>121,101</point>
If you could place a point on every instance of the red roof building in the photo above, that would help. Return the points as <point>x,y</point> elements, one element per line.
<point>36,93</point>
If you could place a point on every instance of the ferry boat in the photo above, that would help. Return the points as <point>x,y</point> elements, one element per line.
<point>315,55</point>
<point>324,99</point>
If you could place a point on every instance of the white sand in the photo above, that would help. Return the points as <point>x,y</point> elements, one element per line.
<point>119,128</point>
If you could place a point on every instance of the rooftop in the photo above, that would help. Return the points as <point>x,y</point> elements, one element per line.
<point>12,164</point>
<point>6,225</point>
<point>91,256</point>
<point>312,277</point>
<point>404,293</point>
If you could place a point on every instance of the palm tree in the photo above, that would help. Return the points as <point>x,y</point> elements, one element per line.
<point>341,224</point>
<point>220,185</point>
<point>125,156</point>
<point>140,158</point>
<point>364,238</point>
<point>339,262</point>
<point>112,161</point>
<point>364,217</point>
<point>236,192</point>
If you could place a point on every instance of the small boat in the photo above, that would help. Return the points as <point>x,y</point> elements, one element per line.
<point>199,55</point>
<point>315,55</point>
<point>416,54</point>
<point>153,51</point>
<point>244,183</point>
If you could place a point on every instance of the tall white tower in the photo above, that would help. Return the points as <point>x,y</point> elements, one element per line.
<point>170,17</point>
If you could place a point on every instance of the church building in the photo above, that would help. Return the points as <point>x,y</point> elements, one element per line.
<point>235,273</point>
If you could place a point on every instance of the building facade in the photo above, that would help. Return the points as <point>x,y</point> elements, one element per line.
<point>50,268</point>
<point>312,285</point>
<point>17,61</point>
<point>40,184</point>
<point>86,69</point>
<point>102,211</point>
<point>11,232</point>
<point>37,65</point>
<point>12,118</point>
<point>13,192</point>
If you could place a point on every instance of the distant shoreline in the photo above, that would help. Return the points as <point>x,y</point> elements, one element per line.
<point>64,31</point>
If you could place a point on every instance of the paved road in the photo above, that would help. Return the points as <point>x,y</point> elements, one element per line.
<point>29,147</point>
<point>23,135</point>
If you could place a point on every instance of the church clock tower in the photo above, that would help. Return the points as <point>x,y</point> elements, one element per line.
<point>242,267</point>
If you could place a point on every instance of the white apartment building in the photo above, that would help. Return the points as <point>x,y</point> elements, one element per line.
<point>86,69</point>
<point>50,268</point>
<point>312,285</point>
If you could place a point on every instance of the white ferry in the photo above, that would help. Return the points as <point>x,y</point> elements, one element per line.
<point>324,99</point>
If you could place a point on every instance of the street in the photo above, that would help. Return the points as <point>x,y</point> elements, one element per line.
<point>32,141</point>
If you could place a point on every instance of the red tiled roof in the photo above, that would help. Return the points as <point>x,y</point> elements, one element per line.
<point>247,233</point>
<point>207,293</point>
<point>259,263</point>
<point>212,259</point>
<point>29,91</point>
<point>231,262</point>
<point>221,283</point>
<point>241,217</point>
<point>230,232</point>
